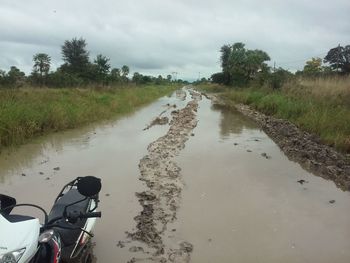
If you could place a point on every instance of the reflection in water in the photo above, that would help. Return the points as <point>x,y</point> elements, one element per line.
<point>13,160</point>
<point>232,121</point>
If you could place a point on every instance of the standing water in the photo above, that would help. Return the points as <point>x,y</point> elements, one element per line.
<point>240,201</point>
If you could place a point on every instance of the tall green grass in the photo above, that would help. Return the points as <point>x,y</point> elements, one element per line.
<point>313,108</point>
<point>28,112</point>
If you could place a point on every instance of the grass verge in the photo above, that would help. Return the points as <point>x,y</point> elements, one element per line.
<point>28,112</point>
<point>326,116</point>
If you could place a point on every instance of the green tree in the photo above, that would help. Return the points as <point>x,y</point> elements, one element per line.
<point>2,77</point>
<point>137,78</point>
<point>279,77</point>
<point>75,56</point>
<point>339,59</point>
<point>219,78</point>
<point>240,65</point>
<point>102,67</point>
<point>41,66</point>
<point>63,79</point>
<point>159,80</point>
<point>115,75</point>
<point>125,73</point>
<point>125,70</point>
<point>313,66</point>
<point>168,77</point>
<point>15,77</point>
<point>255,63</point>
<point>225,78</point>
<point>141,79</point>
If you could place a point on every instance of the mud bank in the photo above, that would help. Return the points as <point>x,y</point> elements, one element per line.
<point>300,146</point>
<point>161,200</point>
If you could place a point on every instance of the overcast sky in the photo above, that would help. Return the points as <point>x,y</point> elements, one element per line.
<point>163,36</point>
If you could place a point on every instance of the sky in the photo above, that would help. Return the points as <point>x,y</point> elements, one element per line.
<point>164,36</point>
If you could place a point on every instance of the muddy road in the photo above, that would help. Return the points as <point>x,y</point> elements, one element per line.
<point>185,181</point>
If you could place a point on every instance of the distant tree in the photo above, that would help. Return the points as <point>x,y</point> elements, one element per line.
<point>75,56</point>
<point>115,75</point>
<point>225,78</point>
<point>15,77</point>
<point>225,56</point>
<point>255,63</point>
<point>141,79</point>
<point>218,78</point>
<point>63,79</point>
<point>339,59</point>
<point>41,66</point>
<point>2,77</point>
<point>280,77</point>
<point>327,71</point>
<point>125,70</point>
<point>168,77</point>
<point>103,64</point>
<point>236,64</point>
<point>313,66</point>
<point>240,65</point>
<point>146,79</point>
<point>262,76</point>
<point>137,78</point>
<point>159,80</point>
<point>102,67</point>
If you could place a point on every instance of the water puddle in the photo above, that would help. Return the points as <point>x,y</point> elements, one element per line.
<point>240,201</point>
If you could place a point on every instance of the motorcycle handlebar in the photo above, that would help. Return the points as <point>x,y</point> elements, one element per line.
<point>73,217</point>
<point>91,214</point>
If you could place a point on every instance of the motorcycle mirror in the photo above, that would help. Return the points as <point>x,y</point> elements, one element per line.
<point>6,201</point>
<point>89,186</point>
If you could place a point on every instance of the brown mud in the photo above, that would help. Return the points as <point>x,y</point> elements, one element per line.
<point>300,146</point>
<point>161,200</point>
<point>157,121</point>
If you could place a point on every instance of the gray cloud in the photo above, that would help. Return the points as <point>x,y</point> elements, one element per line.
<point>162,36</point>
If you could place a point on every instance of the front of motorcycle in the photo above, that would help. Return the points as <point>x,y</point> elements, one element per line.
<point>65,235</point>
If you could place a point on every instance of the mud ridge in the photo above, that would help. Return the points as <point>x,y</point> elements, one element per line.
<point>157,121</point>
<point>161,200</point>
<point>300,146</point>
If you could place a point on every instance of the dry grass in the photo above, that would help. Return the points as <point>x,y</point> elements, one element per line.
<point>335,89</point>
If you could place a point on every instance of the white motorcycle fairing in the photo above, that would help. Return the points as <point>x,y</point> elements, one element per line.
<point>18,235</point>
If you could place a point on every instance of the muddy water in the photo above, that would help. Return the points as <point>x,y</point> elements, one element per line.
<point>241,201</point>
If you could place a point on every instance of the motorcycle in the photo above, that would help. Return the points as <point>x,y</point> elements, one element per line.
<point>65,235</point>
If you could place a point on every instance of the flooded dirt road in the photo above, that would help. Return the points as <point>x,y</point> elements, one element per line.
<point>234,197</point>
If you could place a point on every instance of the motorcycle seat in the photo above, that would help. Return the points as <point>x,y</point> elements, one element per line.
<point>17,218</point>
<point>69,236</point>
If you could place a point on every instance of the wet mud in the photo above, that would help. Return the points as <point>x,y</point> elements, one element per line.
<point>300,146</point>
<point>161,201</point>
<point>157,121</point>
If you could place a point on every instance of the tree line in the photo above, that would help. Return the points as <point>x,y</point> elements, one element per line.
<point>243,67</point>
<point>76,71</point>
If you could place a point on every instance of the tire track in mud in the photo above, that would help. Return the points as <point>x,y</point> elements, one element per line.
<point>161,200</point>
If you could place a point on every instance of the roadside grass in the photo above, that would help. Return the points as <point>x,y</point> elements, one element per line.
<point>29,112</point>
<point>336,89</point>
<point>321,108</point>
